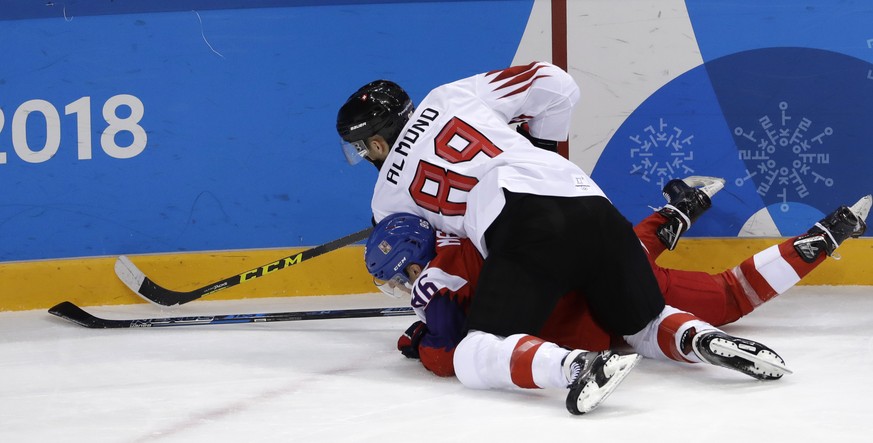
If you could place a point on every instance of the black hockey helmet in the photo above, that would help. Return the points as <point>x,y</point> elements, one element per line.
<point>381,108</point>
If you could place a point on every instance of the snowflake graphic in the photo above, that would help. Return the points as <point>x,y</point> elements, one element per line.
<point>661,153</point>
<point>784,156</point>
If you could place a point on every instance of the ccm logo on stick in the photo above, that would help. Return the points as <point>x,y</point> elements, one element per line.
<point>266,269</point>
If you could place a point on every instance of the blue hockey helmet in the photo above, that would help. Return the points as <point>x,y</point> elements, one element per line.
<point>396,242</point>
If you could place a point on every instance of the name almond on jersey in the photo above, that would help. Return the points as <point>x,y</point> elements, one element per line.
<point>409,138</point>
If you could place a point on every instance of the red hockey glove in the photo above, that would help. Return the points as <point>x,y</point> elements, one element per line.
<point>407,344</point>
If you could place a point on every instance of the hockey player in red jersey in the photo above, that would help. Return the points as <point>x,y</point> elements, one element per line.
<point>443,270</point>
<point>456,162</point>
<point>725,297</point>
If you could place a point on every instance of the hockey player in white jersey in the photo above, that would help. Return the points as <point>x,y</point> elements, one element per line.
<point>458,137</point>
<point>542,225</point>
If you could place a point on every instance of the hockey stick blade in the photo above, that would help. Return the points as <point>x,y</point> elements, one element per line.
<point>143,286</point>
<point>69,311</point>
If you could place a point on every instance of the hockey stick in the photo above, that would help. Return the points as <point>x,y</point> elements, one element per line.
<point>139,283</point>
<point>69,311</point>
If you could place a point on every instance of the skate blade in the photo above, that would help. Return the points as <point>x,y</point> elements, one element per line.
<point>709,185</point>
<point>730,349</point>
<point>616,369</point>
<point>862,207</point>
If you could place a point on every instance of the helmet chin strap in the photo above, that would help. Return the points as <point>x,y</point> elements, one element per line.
<point>377,163</point>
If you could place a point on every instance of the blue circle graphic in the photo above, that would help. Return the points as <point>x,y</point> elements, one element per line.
<point>788,128</point>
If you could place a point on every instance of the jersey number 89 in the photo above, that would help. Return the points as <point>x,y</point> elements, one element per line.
<point>457,142</point>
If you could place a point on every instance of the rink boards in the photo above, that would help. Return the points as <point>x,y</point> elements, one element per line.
<point>92,281</point>
<point>197,136</point>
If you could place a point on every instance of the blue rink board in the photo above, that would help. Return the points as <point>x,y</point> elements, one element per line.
<point>237,114</point>
<point>238,101</point>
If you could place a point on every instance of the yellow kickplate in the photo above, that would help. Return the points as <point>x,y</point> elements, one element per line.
<point>92,281</point>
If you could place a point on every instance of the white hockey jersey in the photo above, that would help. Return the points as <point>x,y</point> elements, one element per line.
<point>458,150</point>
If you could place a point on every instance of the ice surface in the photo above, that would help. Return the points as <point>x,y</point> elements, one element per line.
<point>343,381</point>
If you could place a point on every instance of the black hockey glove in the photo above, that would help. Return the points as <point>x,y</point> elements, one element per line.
<point>548,145</point>
<point>407,344</point>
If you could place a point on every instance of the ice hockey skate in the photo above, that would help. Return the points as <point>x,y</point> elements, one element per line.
<point>740,354</point>
<point>830,232</point>
<point>708,185</point>
<point>593,376</point>
<point>687,200</point>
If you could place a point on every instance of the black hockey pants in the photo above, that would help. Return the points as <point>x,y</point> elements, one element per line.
<point>541,247</point>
